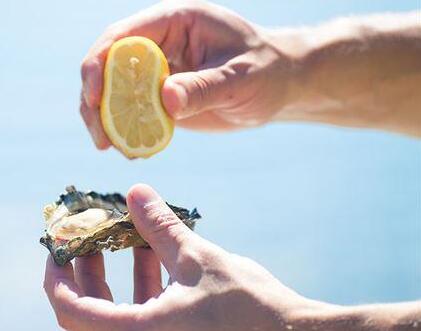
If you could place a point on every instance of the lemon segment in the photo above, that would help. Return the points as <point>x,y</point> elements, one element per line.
<point>132,113</point>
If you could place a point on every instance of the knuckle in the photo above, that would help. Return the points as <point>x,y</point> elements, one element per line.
<point>206,256</point>
<point>111,28</point>
<point>237,70</point>
<point>188,6</point>
<point>45,286</point>
<point>86,67</point>
<point>91,62</point>
<point>86,115</point>
<point>196,5</point>
<point>165,217</point>
<point>177,13</point>
<point>184,12</point>
<point>115,29</point>
<point>162,217</point>
<point>201,87</point>
<point>82,110</point>
<point>165,223</point>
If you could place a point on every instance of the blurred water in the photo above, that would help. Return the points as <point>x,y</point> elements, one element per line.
<point>333,213</point>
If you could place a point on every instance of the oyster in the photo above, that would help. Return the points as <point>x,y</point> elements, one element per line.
<point>81,224</point>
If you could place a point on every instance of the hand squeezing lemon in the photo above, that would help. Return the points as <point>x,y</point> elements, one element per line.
<point>132,113</point>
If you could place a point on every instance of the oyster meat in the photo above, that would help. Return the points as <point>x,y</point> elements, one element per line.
<point>81,224</point>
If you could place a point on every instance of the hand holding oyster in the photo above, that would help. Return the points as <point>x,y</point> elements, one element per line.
<point>81,224</point>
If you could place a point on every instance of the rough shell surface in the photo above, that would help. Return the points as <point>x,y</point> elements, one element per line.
<point>68,233</point>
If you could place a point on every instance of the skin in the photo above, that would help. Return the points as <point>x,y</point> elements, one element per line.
<point>209,289</point>
<point>231,74</point>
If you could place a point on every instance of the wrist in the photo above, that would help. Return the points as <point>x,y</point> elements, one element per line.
<point>326,317</point>
<point>320,61</point>
<point>340,70</point>
<point>284,65</point>
<point>317,316</point>
<point>320,58</point>
<point>292,48</point>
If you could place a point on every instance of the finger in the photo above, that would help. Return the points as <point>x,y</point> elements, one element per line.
<point>90,276</point>
<point>152,23</point>
<point>92,119</point>
<point>189,93</point>
<point>75,312</point>
<point>157,223</point>
<point>146,275</point>
<point>59,284</point>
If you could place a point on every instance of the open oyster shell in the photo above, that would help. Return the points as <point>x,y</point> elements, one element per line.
<point>81,224</point>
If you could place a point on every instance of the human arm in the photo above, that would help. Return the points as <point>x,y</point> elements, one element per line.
<point>228,73</point>
<point>378,317</point>
<point>357,72</point>
<point>210,288</point>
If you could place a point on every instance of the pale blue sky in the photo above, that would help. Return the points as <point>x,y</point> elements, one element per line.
<point>333,213</point>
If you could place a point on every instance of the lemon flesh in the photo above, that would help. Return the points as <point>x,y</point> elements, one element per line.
<point>132,113</point>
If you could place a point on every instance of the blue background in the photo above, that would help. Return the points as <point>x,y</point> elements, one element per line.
<point>334,213</point>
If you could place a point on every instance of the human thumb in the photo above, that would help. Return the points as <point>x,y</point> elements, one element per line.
<point>157,223</point>
<point>189,93</point>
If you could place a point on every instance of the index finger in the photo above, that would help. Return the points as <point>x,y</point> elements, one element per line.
<point>151,23</point>
<point>75,312</point>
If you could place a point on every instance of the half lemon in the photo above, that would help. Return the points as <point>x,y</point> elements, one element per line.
<point>132,113</point>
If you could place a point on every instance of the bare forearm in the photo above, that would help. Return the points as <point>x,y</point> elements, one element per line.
<point>359,72</point>
<point>387,317</point>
